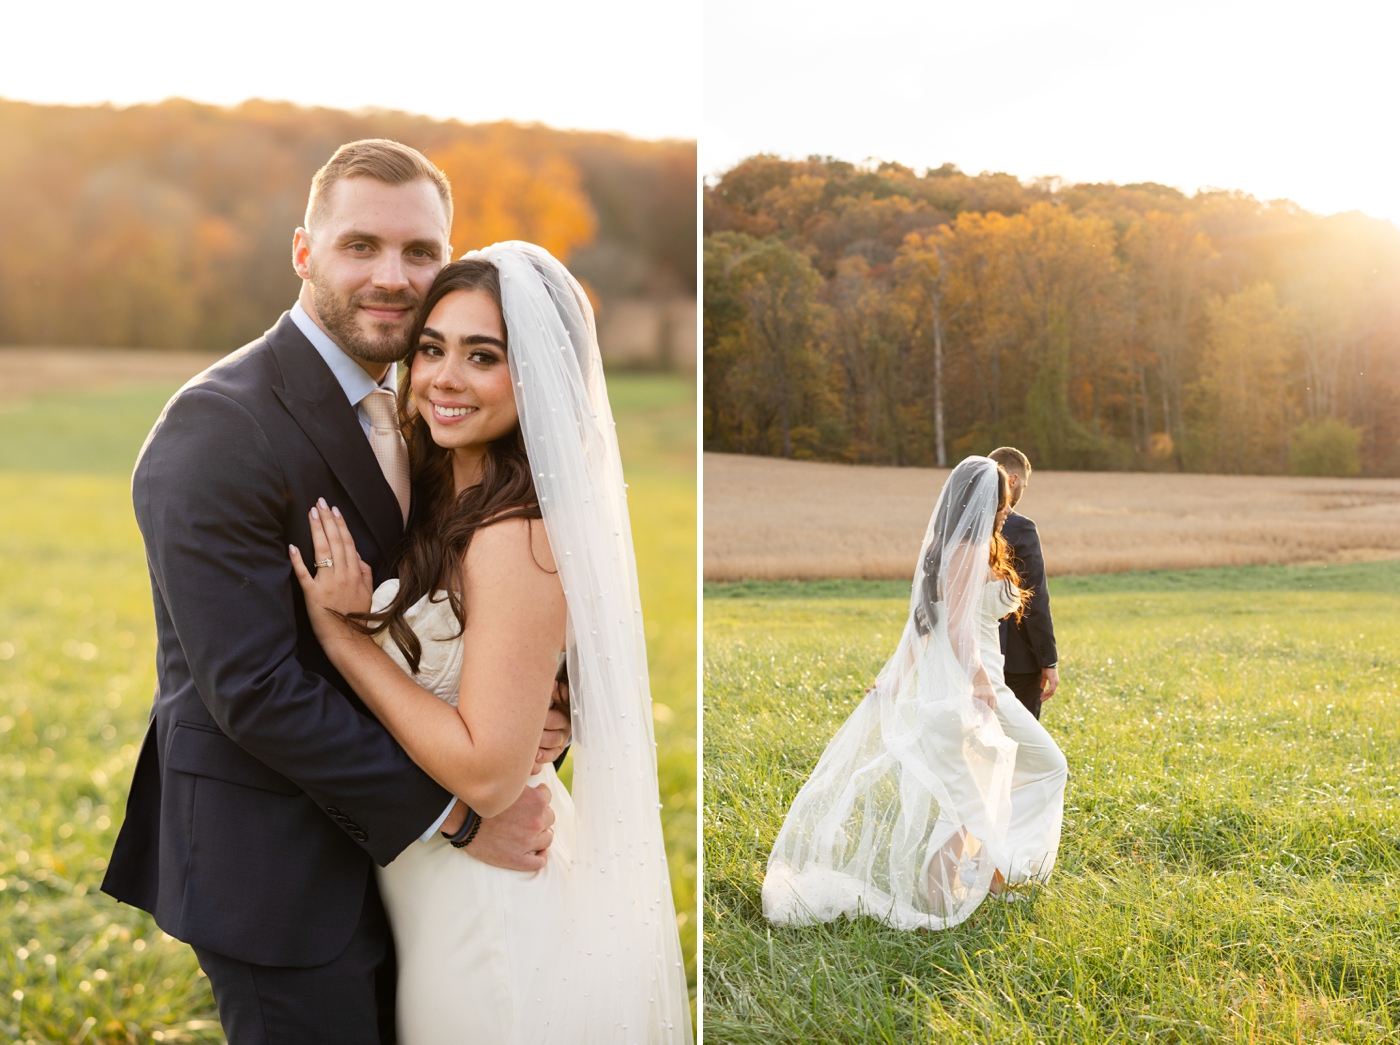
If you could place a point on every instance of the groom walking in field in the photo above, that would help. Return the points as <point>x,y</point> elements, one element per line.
<point>265,792</point>
<point>1027,644</point>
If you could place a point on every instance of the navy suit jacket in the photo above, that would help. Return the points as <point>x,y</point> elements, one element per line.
<point>264,791</point>
<point>1028,645</point>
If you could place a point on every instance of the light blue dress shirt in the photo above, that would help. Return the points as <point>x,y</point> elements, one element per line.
<point>356,384</point>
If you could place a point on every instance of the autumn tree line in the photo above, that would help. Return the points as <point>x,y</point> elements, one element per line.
<point>170,225</point>
<point>885,316</point>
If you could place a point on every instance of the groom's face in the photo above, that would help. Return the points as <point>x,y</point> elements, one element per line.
<point>1018,486</point>
<point>370,261</point>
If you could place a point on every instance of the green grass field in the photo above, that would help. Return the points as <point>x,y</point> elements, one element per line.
<point>1230,869</point>
<point>77,671</point>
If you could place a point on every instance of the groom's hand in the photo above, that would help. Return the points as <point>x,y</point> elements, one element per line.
<point>1049,682</point>
<point>519,837</point>
<point>558,727</point>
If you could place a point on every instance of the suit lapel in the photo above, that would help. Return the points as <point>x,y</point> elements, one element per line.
<point>317,403</point>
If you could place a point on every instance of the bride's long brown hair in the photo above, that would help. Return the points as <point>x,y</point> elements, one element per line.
<point>1003,563</point>
<point>444,522</point>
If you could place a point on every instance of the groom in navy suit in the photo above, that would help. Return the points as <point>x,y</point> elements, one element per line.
<point>1032,662</point>
<point>265,792</point>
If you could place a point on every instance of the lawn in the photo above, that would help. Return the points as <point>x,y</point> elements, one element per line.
<point>1230,869</point>
<point>77,671</point>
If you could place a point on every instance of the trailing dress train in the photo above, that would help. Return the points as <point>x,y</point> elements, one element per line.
<point>925,792</point>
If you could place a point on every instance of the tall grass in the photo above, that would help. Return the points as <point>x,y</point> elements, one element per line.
<point>77,672</point>
<point>1230,869</point>
<point>656,426</point>
<point>76,675</point>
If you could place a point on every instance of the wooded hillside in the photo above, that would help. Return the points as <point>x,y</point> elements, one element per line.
<point>881,315</point>
<point>170,225</point>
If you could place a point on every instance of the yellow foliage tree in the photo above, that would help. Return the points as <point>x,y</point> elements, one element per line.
<point>1245,381</point>
<point>962,312</point>
<point>795,203</point>
<point>921,282</point>
<point>500,192</point>
<point>1168,256</point>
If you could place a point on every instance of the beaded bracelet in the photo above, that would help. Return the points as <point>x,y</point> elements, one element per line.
<point>470,826</point>
<point>471,835</point>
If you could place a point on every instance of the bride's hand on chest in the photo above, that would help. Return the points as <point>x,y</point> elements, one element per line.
<point>343,584</point>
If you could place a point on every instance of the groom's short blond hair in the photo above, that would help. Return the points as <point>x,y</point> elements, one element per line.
<point>1012,460</point>
<point>380,159</point>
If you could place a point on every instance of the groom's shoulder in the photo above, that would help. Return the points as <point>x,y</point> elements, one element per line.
<point>1021,531</point>
<point>232,395</point>
<point>248,377</point>
<point>1018,526</point>
<point>244,371</point>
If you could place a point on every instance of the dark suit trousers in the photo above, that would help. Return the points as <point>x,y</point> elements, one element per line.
<point>1026,686</point>
<point>347,1001</point>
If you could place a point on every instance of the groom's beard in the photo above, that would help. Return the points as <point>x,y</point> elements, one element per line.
<point>387,344</point>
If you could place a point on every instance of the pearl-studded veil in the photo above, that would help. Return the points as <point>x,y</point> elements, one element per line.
<point>619,977</point>
<point>905,816</point>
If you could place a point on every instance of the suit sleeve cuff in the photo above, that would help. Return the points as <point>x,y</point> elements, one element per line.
<point>427,835</point>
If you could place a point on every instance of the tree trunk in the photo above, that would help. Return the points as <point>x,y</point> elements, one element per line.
<point>1133,420</point>
<point>784,409</point>
<point>787,429</point>
<point>941,448</point>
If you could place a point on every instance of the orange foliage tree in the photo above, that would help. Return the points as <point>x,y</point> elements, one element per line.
<point>170,225</point>
<point>1095,326</point>
<point>500,192</point>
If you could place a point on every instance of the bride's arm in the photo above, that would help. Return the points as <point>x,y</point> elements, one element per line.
<point>964,587</point>
<point>483,750</point>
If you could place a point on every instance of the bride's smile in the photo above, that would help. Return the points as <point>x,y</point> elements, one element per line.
<point>449,414</point>
<point>461,380</point>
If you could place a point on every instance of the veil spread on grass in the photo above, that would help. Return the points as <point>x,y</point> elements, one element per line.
<point>619,977</point>
<point>905,816</point>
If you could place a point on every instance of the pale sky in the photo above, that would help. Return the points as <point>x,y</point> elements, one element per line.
<point>624,65</point>
<point>1280,99</point>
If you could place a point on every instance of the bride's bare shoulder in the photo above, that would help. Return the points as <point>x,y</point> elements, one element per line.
<point>511,544</point>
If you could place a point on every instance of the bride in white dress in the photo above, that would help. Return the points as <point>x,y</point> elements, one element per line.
<point>941,787</point>
<point>508,425</point>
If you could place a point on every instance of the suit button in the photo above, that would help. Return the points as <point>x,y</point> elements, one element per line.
<point>359,836</point>
<point>333,811</point>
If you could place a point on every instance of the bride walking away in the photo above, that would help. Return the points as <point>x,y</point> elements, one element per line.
<point>941,787</point>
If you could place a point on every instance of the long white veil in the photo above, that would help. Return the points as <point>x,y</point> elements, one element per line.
<point>619,978</point>
<point>905,817</point>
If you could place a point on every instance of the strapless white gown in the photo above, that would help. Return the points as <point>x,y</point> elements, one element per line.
<point>1038,781</point>
<point>471,939</point>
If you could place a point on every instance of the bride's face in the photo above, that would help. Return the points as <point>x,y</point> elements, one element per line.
<point>460,378</point>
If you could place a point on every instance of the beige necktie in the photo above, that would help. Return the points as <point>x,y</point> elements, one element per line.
<point>386,441</point>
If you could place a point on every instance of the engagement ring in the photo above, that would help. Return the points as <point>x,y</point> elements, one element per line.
<point>324,564</point>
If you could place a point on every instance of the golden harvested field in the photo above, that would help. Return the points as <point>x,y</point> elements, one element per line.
<point>770,519</point>
<point>26,372</point>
